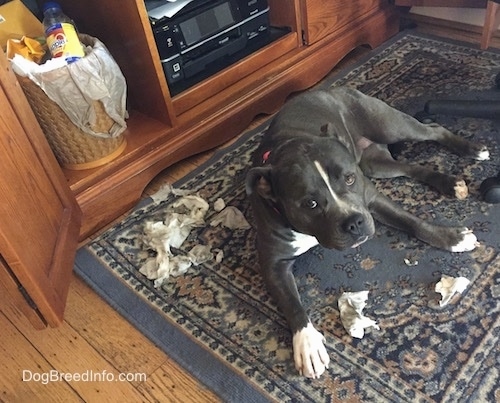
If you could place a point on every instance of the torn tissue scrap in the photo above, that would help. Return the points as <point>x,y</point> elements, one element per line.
<point>231,218</point>
<point>351,305</point>
<point>166,190</point>
<point>181,218</point>
<point>448,286</point>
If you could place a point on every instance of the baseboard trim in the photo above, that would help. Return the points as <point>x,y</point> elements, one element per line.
<point>467,32</point>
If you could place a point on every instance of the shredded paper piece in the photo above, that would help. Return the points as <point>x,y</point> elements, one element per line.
<point>410,262</point>
<point>186,213</point>
<point>448,286</point>
<point>219,255</point>
<point>231,218</point>
<point>351,305</point>
<point>219,205</point>
<point>166,190</point>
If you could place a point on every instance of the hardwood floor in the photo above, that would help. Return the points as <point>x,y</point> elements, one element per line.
<point>95,341</point>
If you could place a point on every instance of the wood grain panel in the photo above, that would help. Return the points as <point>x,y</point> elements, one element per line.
<point>39,215</point>
<point>321,18</point>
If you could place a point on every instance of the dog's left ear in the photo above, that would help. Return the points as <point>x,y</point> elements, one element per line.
<point>327,130</point>
<point>259,179</point>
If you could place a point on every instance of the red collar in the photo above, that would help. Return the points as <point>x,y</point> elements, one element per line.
<point>265,156</point>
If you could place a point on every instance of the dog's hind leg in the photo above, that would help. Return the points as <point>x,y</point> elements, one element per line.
<point>454,239</point>
<point>457,144</point>
<point>382,124</point>
<point>377,162</point>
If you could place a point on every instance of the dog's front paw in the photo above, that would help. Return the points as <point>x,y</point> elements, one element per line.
<point>454,239</point>
<point>309,352</point>
<point>467,241</point>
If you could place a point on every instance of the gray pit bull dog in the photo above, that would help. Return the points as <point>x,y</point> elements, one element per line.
<point>308,186</point>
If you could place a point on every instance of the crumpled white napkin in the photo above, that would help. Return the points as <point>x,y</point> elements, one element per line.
<point>448,286</point>
<point>231,218</point>
<point>351,305</point>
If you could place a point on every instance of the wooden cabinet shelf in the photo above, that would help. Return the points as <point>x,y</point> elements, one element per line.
<point>163,129</point>
<point>223,80</point>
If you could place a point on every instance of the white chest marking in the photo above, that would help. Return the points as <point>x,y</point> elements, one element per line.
<point>302,242</point>
<point>340,203</point>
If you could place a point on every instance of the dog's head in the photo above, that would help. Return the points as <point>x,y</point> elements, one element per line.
<point>319,189</point>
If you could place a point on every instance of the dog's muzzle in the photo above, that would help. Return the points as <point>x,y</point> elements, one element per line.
<point>359,228</point>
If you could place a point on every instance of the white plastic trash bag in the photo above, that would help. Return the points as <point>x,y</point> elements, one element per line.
<point>76,86</point>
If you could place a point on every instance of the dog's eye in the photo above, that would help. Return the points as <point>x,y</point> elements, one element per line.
<point>350,179</point>
<point>311,203</point>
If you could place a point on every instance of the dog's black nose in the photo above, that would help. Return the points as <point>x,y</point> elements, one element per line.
<point>354,224</point>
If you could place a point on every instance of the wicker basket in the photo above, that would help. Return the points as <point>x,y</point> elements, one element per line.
<point>73,148</point>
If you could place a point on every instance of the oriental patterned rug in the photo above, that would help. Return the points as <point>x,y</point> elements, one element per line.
<point>218,321</point>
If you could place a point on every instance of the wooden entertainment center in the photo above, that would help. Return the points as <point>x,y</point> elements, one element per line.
<point>49,209</point>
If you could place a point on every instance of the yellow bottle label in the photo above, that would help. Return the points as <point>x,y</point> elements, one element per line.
<point>63,41</point>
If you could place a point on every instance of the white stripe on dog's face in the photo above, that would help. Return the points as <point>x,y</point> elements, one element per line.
<point>340,203</point>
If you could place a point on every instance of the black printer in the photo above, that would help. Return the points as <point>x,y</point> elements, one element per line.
<point>205,36</point>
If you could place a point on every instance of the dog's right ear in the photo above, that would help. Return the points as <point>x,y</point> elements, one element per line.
<point>259,179</point>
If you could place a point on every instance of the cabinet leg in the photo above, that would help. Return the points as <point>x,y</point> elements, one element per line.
<point>490,23</point>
